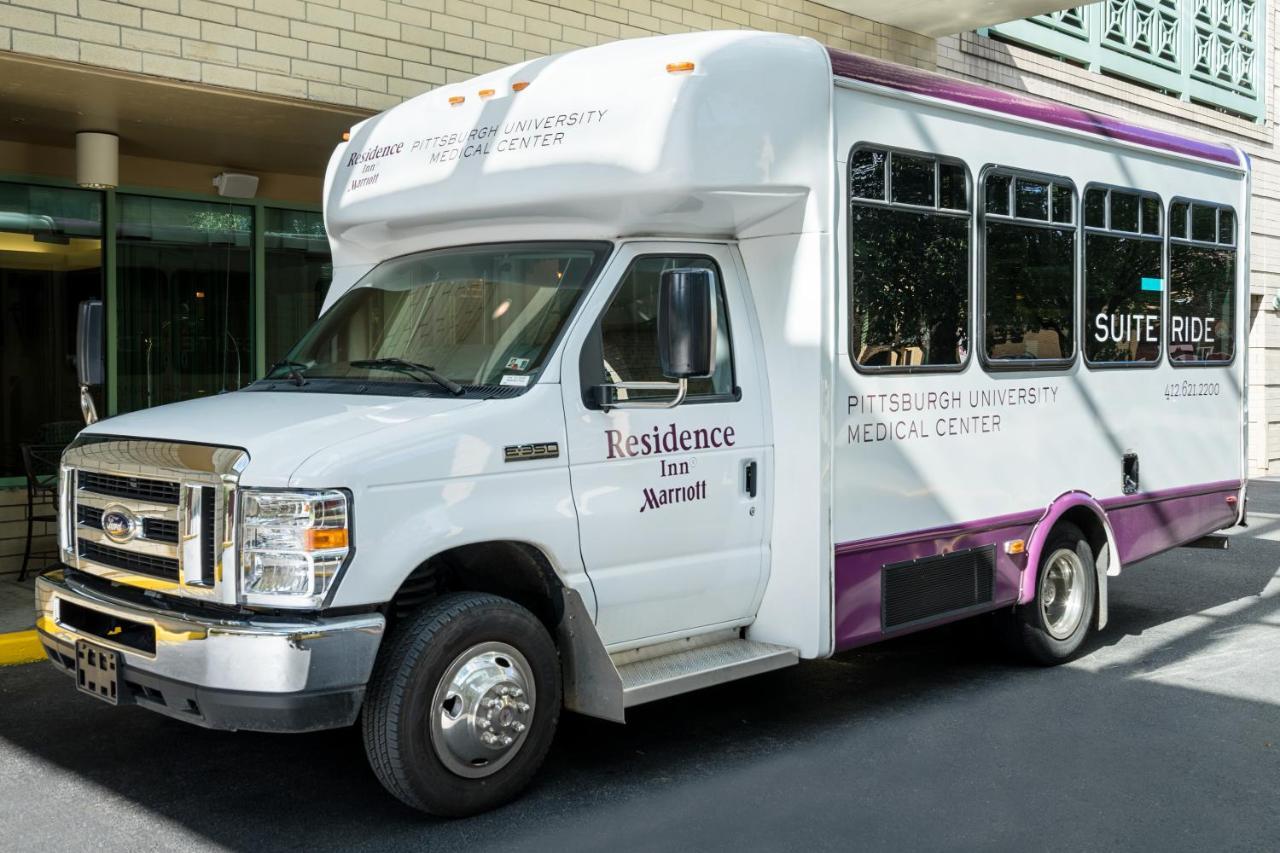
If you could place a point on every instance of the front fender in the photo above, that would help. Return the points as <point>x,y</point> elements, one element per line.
<point>399,527</point>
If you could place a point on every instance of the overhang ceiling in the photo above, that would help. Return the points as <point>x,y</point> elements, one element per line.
<point>944,17</point>
<point>44,102</point>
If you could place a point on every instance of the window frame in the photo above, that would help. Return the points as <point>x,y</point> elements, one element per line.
<point>596,332</point>
<point>1000,365</point>
<point>1234,245</point>
<point>971,200</point>
<point>1161,238</point>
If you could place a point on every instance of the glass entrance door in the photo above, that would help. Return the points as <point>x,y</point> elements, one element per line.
<point>50,260</point>
<point>184,306</point>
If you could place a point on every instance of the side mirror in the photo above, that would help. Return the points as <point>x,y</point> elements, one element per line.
<point>89,366</point>
<point>90,369</point>
<point>687,323</point>
<point>686,342</point>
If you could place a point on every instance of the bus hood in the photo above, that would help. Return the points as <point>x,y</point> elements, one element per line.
<point>280,430</point>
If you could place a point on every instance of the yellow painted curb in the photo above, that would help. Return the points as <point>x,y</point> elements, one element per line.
<point>20,647</point>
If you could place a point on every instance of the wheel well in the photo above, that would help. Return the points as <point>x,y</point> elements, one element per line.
<point>514,570</point>
<point>1094,532</point>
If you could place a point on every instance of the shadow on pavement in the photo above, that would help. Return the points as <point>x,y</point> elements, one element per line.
<point>931,741</point>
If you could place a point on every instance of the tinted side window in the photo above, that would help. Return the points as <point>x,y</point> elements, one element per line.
<point>1123,278</point>
<point>1202,259</point>
<point>908,261</point>
<point>1029,270</point>
<point>1202,283</point>
<point>629,331</point>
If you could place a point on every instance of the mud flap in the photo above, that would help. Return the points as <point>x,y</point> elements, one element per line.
<point>592,685</point>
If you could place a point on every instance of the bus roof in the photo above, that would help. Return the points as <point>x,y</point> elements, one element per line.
<point>853,66</point>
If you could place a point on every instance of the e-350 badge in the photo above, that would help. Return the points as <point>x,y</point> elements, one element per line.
<point>525,452</point>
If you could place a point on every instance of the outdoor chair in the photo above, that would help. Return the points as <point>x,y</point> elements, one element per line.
<point>59,432</point>
<point>40,462</point>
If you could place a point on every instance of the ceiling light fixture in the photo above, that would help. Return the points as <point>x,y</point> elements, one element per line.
<point>97,160</point>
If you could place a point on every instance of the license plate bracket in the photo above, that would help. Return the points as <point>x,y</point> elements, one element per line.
<point>98,672</point>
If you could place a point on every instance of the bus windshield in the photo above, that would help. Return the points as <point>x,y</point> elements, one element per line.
<point>449,319</point>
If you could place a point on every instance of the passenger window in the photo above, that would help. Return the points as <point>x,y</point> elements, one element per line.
<point>1029,270</point>
<point>1123,278</point>
<point>1202,283</point>
<point>908,261</point>
<point>629,332</point>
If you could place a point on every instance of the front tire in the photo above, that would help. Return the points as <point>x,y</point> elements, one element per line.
<point>462,705</point>
<point>1051,628</point>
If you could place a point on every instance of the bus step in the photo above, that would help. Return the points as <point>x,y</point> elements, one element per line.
<point>1215,541</point>
<point>691,668</point>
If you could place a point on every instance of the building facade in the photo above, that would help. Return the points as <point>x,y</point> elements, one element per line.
<point>203,291</point>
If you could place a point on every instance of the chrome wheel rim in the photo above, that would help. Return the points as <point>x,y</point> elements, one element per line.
<point>482,710</point>
<point>1062,591</point>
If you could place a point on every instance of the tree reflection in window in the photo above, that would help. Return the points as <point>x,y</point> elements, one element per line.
<point>1123,280</point>
<point>908,260</point>
<point>1029,272</point>
<point>1202,283</point>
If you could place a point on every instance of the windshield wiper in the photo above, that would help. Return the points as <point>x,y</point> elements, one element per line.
<point>294,372</point>
<point>410,367</point>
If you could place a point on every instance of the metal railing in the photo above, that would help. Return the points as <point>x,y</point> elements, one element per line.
<point>1203,51</point>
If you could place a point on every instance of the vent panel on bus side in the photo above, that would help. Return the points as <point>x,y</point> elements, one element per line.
<point>931,587</point>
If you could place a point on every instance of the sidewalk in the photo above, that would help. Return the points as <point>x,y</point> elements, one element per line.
<point>18,643</point>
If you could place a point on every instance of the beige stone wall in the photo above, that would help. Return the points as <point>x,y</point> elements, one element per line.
<point>375,53</point>
<point>989,61</point>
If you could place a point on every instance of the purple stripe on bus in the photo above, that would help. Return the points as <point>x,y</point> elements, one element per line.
<point>1145,528</point>
<point>857,599</point>
<point>1143,525</point>
<point>903,78</point>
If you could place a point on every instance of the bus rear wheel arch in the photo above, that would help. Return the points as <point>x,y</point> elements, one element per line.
<point>1051,627</point>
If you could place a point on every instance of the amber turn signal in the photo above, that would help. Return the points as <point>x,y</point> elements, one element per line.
<point>323,540</point>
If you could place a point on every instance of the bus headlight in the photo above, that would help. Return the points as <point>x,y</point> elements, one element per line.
<point>292,544</point>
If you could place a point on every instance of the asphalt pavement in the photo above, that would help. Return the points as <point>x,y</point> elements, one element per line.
<point>1164,735</point>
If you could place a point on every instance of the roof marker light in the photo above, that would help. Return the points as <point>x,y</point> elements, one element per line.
<point>346,136</point>
<point>486,93</point>
<point>520,87</point>
<point>676,67</point>
<point>455,100</point>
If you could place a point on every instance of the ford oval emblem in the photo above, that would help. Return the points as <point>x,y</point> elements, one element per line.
<point>119,523</point>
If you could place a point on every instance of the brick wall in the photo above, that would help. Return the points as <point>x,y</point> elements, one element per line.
<point>375,53</point>
<point>13,535</point>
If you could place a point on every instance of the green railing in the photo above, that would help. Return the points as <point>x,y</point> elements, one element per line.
<point>1205,51</point>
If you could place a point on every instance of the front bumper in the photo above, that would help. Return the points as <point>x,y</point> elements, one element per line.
<point>264,674</point>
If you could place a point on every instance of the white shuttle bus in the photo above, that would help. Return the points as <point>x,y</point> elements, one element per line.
<point>664,363</point>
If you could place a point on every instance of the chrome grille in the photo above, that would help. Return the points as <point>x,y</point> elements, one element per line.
<point>155,529</point>
<point>160,530</point>
<point>145,512</point>
<point>145,564</point>
<point>134,488</point>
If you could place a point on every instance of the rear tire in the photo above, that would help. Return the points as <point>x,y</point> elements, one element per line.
<point>1051,628</point>
<point>463,704</point>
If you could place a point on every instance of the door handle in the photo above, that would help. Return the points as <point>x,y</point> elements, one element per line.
<point>750,478</point>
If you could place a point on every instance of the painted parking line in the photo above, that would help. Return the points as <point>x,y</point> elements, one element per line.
<point>20,647</point>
